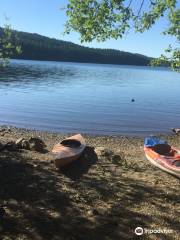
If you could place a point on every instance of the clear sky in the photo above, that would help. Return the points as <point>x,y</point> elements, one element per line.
<point>46,18</point>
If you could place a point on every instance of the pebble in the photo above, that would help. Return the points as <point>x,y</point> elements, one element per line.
<point>116,158</point>
<point>36,144</point>
<point>101,151</point>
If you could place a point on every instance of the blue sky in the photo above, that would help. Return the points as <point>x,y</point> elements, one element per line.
<point>46,18</point>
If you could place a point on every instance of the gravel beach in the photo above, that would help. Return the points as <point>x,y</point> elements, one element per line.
<point>107,193</point>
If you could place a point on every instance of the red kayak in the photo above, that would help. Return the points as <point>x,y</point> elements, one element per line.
<point>162,155</point>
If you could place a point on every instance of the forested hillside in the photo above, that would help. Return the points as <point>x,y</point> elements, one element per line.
<point>37,47</point>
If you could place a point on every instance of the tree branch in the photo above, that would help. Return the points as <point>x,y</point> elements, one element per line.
<point>142,3</point>
<point>130,3</point>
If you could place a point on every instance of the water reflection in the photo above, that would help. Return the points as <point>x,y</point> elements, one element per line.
<point>17,75</point>
<point>72,97</point>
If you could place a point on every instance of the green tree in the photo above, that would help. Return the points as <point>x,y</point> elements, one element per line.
<point>104,19</point>
<point>8,45</point>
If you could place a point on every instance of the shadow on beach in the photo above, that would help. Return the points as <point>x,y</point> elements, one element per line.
<point>77,203</point>
<point>77,169</point>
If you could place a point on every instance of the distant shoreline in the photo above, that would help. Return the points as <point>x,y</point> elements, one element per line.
<point>38,47</point>
<point>94,63</point>
<point>98,64</point>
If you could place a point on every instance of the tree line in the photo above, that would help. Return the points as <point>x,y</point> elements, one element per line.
<point>37,47</point>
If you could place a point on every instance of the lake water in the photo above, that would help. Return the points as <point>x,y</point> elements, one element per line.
<point>89,98</point>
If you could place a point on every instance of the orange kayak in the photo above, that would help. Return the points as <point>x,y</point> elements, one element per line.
<point>68,150</point>
<point>162,155</point>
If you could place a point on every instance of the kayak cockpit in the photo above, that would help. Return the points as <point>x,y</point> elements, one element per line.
<point>71,143</point>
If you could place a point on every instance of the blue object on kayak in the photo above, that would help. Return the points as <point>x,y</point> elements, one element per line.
<point>152,141</point>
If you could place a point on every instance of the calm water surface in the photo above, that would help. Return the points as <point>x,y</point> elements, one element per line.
<point>89,98</point>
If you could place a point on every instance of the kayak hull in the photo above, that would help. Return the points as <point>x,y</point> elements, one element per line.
<point>65,155</point>
<point>164,162</point>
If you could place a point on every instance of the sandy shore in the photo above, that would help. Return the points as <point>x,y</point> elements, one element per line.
<point>96,197</point>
